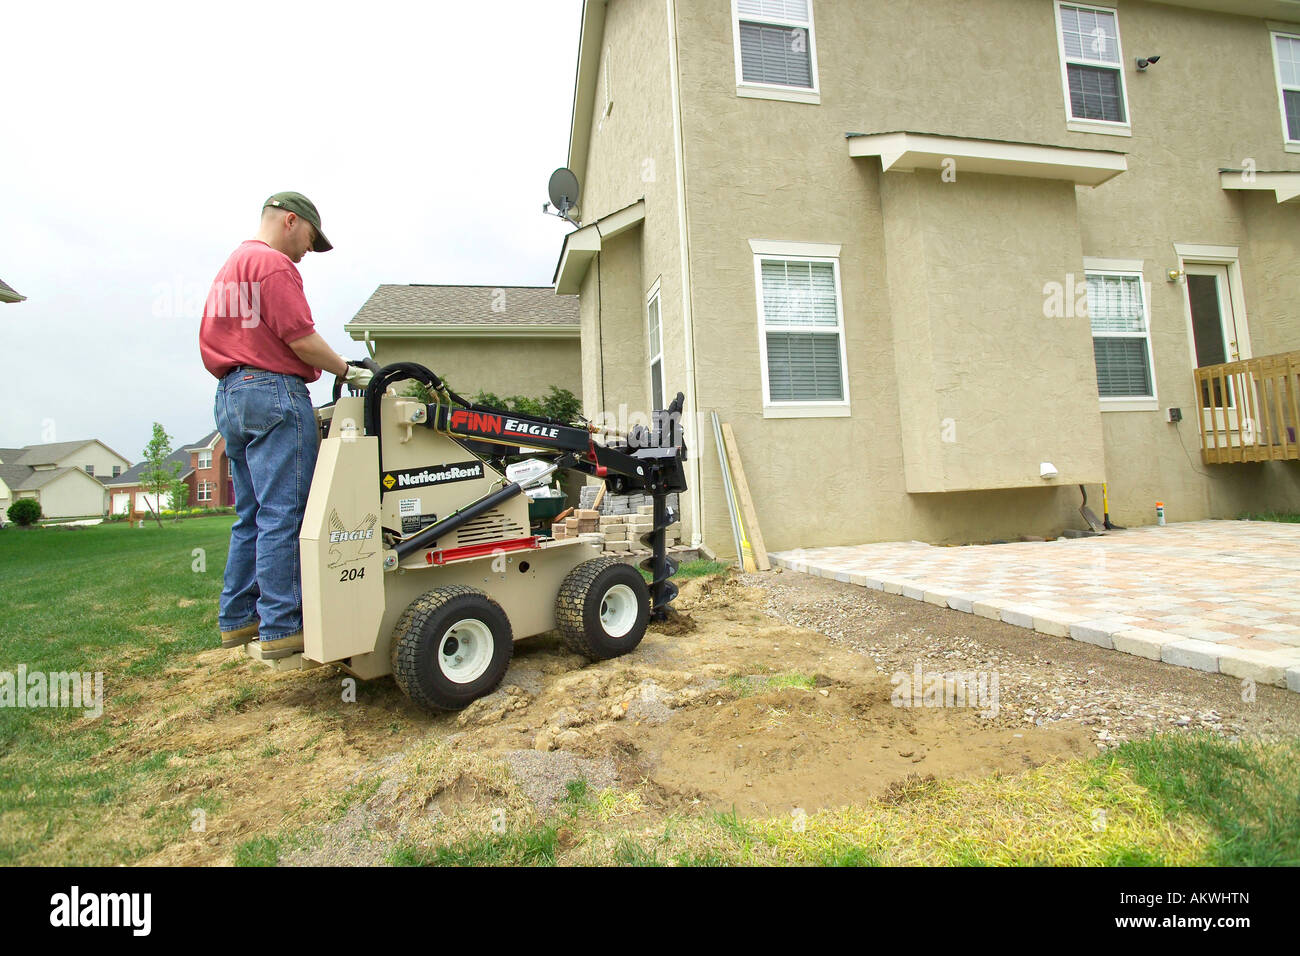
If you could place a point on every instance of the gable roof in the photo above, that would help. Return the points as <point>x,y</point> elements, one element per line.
<point>132,476</point>
<point>206,443</point>
<point>26,478</point>
<point>50,453</point>
<point>9,294</point>
<point>465,310</point>
<point>14,475</point>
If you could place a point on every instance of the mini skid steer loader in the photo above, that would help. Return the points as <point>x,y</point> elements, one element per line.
<point>417,554</point>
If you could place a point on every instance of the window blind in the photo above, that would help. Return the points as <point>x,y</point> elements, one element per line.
<point>775,54</point>
<point>804,367</point>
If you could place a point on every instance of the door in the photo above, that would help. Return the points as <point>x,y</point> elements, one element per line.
<point>1216,339</point>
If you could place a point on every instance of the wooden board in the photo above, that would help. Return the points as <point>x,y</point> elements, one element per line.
<point>746,502</point>
<point>600,496</point>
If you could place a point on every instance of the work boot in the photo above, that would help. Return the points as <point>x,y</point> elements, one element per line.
<point>239,636</point>
<point>281,646</point>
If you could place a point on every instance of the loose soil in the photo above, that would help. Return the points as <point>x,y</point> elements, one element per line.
<point>767,693</point>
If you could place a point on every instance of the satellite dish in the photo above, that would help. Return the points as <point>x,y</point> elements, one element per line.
<point>563,189</point>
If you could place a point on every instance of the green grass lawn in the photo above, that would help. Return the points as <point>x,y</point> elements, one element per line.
<point>123,600</point>
<point>140,605</point>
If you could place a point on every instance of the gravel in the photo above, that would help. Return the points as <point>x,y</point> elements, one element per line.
<point>1041,679</point>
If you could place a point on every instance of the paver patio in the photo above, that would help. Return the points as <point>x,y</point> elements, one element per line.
<point>1220,596</point>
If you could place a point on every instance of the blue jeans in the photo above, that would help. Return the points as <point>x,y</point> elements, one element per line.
<point>269,426</point>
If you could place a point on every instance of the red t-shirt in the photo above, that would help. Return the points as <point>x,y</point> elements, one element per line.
<point>255,308</point>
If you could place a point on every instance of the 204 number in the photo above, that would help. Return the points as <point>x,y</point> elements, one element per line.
<point>351,574</point>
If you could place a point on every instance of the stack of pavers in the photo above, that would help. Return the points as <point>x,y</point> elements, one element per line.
<point>620,522</point>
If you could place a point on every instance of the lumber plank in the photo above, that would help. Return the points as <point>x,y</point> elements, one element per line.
<point>746,502</point>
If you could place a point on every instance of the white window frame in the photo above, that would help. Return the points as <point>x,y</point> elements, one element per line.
<point>1291,145</point>
<point>205,490</point>
<point>777,91</point>
<point>205,455</point>
<point>1128,268</point>
<point>652,297</point>
<point>1108,127</point>
<point>117,471</point>
<point>799,252</point>
<point>90,470</point>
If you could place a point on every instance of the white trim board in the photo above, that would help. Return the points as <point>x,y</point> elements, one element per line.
<point>1284,185</point>
<point>906,152</point>
<point>781,247</point>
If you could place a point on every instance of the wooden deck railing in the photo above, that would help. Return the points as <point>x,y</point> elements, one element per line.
<point>1250,410</point>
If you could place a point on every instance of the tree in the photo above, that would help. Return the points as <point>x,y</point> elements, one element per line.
<point>156,476</point>
<point>179,492</point>
<point>24,512</point>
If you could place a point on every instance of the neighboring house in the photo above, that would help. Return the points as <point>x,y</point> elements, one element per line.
<point>8,294</point>
<point>128,495</point>
<point>66,478</point>
<point>212,486</point>
<point>508,340</point>
<point>941,263</point>
<point>203,465</point>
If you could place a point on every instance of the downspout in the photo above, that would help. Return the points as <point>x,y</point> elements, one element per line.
<point>697,513</point>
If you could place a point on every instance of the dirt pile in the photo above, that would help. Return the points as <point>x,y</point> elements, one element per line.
<point>723,706</point>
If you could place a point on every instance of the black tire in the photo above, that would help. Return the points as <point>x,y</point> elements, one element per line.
<point>578,608</point>
<point>418,638</point>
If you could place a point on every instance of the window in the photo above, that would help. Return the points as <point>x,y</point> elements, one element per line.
<point>205,459</point>
<point>1286,50</point>
<point>90,469</point>
<point>801,333</point>
<point>1121,338</point>
<point>1092,65</point>
<point>655,349</point>
<point>117,470</point>
<point>776,55</point>
<point>205,490</point>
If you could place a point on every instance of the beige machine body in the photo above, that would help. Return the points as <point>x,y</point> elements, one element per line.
<point>354,589</point>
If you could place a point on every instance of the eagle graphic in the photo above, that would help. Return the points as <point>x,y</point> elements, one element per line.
<point>348,547</point>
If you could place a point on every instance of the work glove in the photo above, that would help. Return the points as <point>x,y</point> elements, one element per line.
<point>360,373</point>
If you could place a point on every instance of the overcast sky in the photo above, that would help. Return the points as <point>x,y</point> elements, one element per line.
<point>141,139</point>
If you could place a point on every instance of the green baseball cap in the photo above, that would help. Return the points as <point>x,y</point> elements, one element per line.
<point>300,205</point>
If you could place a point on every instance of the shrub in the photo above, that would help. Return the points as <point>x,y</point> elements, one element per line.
<point>25,511</point>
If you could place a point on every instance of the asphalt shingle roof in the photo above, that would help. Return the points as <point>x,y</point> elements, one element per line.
<point>203,442</point>
<point>467,305</point>
<point>9,294</point>
<point>132,475</point>
<point>25,478</point>
<point>14,475</point>
<point>34,455</point>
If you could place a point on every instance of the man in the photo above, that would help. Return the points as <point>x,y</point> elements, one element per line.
<point>257,337</point>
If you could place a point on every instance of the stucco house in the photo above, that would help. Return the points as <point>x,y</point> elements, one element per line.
<point>65,478</point>
<point>940,264</point>
<point>508,340</point>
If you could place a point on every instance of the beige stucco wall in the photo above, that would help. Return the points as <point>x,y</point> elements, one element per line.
<point>987,69</point>
<point>631,157</point>
<point>502,365</point>
<point>776,170</point>
<point>97,455</point>
<point>977,412</point>
<point>72,495</point>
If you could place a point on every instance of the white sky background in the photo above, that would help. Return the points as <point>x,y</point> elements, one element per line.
<point>139,140</point>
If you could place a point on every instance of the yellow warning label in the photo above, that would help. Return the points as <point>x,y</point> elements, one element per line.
<point>389,481</point>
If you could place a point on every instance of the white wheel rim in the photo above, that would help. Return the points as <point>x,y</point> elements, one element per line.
<point>618,610</point>
<point>465,651</point>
